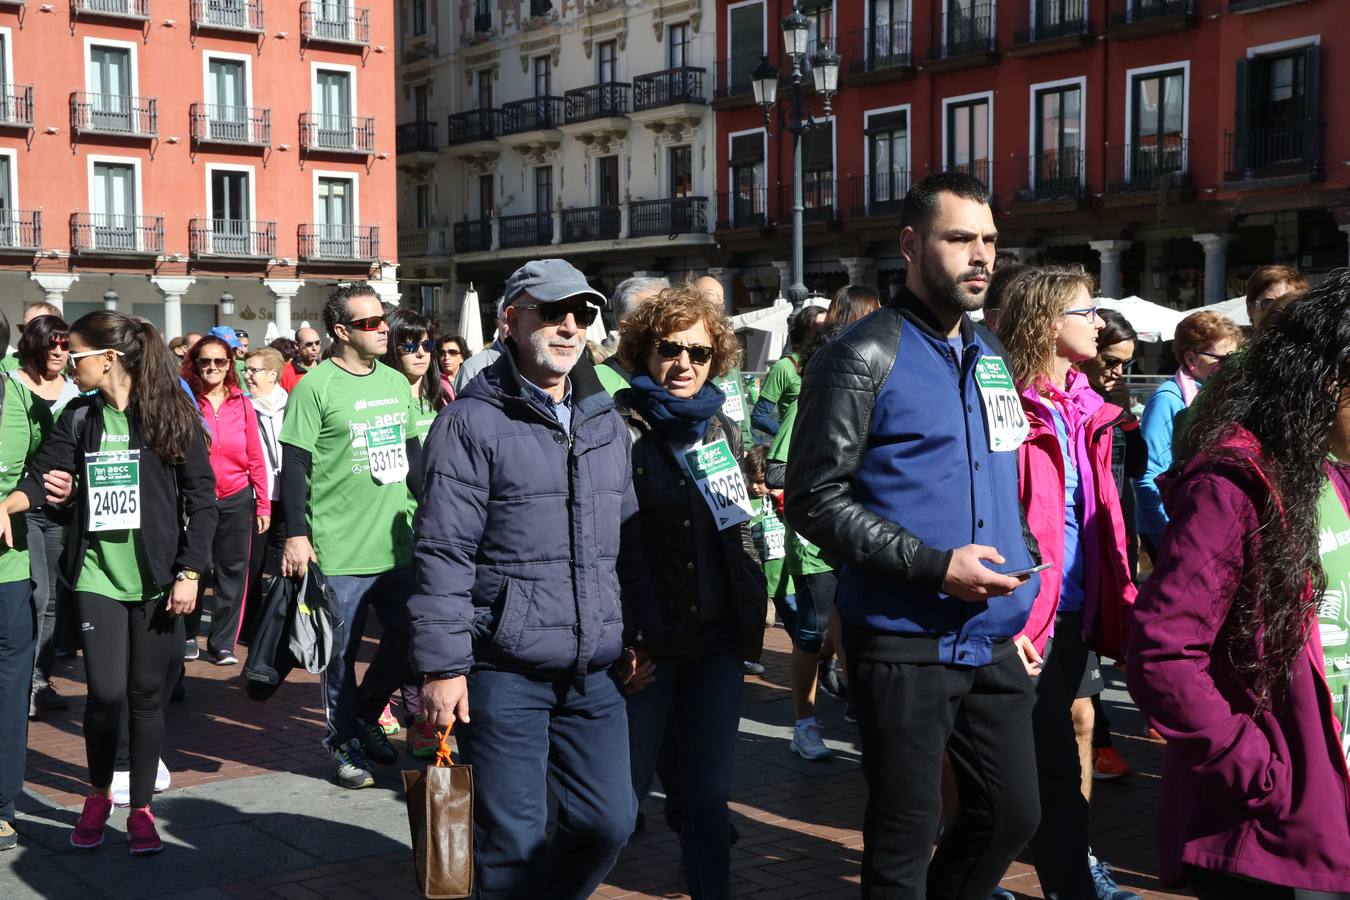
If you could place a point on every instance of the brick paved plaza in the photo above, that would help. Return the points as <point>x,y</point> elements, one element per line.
<point>251,813</point>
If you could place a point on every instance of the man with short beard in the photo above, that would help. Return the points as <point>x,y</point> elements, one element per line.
<point>904,470</point>
<point>531,594</point>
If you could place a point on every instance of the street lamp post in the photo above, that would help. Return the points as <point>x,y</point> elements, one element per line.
<point>764,81</point>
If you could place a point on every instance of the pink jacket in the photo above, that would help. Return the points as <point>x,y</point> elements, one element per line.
<point>236,449</point>
<point>1040,465</point>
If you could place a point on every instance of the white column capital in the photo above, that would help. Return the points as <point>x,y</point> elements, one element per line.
<point>387,291</point>
<point>1108,279</point>
<point>857,268</point>
<point>1112,247</point>
<point>284,288</point>
<point>173,285</point>
<point>1216,265</point>
<point>1214,243</point>
<point>54,285</point>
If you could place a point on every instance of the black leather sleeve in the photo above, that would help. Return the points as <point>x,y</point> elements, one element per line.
<point>834,415</point>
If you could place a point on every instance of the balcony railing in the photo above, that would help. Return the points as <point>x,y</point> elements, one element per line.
<point>116,114</point>
<point>682,85</point>
<point>482,23</point>
<point>957,32</point>
<point>16,105</point>
<point>233,238</point>
<point>425,242</point>
<point>878,194</point>
<point>599,101</point>
<point>213,124</point>
<point>1140,167</point>
<point>334,22</point>
<point>121,9</point>
<point>978,168</point>
<point>20,229</point>
<point>1051,175</point>
<point>1130,12</point>
<point>473,235</point>
<point>885,46</point>
<point>820,201</point>
<point>532,114</point>
<point>340,243</point>
<point>1049,20</point>
<point>528,230</point>
<point>232,15</point>
<point>415,137</point>
<point>676,215</point>
<point>474,125</point>
<point>113,234</point>
<point>324,133</point>
<point>1271,152</point>
<point>734,75</point>
<point>743,209</point>
<point>591,223</point>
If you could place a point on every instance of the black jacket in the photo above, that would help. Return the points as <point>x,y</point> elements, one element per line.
<point>170,494</point>
<point>670,506</point>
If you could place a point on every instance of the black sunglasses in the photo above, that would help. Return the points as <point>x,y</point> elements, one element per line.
<point>699,354</point>
<point>555,313</point>
<point>411,346</point>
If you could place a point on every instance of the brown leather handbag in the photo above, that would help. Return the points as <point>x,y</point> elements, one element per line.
<point>440,815</point>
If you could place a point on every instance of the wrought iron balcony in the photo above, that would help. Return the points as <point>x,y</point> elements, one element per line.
<point>214,124</point>
<point>527,230</point>
<point>820,200</point>
<point>599,101</point>
<point>1274,152</point>
<point>959,32</point>
<point>1137,18</point>
<point>482,23</point>
<point>424,242</point>
<point>20,230</point>
<point>1143,167</point>
<point>669,87</point>
<point>334,22</point>
<point>111,234</point>
<point>878,194</point>
<point>1042,22</point>
<point>473,235</point>
<point>743,208</point>
<point>880,47</point>
<point>323,133</point>
<point>591,223</point>
<point>672,216</point>
<point>113,9</point>
<point>978,168</point>
<point>1051,175</point>
<point>735,74</point>
<point>116,114</point>
<point>475,125</point>
<point>228,15</point>
<point>532,114</point>
<point>233,238</point>
<point>415,137</point>
<point>340,243</point>
<point>16,105</point>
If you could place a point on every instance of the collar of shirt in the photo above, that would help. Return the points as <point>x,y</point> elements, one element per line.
<point>544,397</point>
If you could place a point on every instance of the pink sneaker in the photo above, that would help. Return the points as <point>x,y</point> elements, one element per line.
<point>88,831</point>
<point>144,837</point>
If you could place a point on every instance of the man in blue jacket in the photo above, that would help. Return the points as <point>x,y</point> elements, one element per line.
<point>904,472</point>
<point>528,574</point>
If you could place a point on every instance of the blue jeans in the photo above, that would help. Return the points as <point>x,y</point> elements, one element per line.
<point>18,637</point>
<point>345,702</point>
<point>701,699</point>
<point>530,737</point>
<point>815,599</point>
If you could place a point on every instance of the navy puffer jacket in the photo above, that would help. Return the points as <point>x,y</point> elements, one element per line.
<point>527,548</point>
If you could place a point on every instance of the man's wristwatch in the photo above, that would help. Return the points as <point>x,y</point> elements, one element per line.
<point>186,575</point>
<point>441,676</point>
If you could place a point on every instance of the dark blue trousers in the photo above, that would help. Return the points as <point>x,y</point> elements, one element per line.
<point>18,638</point>
<point>527,738</point>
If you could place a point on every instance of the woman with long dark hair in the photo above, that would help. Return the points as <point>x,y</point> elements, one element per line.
<point>43,352</point>
<point>242,497</point>
<point>851,303</point>
<point>451,352</point>
<point>1240,636</point>
<point>140,536</point>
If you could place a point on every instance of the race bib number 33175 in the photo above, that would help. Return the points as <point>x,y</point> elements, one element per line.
<point>388,454</point>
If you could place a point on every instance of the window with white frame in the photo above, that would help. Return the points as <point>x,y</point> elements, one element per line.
<point>1157,143</point>
<point>968,139</point>
<point>114,208</point>
<point>231,212</point>
<point>1057,161</point>
<point>749,201</point>
<point>336,127</point>
<point>745,45</point>
<point>887,159</point>
<point>335,216</point>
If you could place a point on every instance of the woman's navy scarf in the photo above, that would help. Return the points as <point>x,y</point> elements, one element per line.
<point>679,420</point>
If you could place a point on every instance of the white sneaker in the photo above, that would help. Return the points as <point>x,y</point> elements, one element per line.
<point>121,789</point>
<point>162,777</point>
<point>808,744</point>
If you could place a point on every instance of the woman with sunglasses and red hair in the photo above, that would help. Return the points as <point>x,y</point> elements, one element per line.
<point>695,522</point>
<point>241,490</point>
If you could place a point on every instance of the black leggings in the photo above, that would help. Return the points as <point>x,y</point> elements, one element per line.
<point>1211,885</point>
<point>129,651</point>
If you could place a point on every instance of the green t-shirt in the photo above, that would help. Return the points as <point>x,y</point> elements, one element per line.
<point>782,385</point>
<point>21,433</point>
<point>736,408</point>
<point>1333,619</point>
<point>803,557</point>
<point>771,537</point>
<point>115,564</point>
<point>353,519</point>
<point>610,379</point>
<point>9,363</point>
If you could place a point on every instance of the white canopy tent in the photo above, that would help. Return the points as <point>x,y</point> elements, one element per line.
<point>1153,321</point>
<point>766,331</point>
<point>1235,309</point>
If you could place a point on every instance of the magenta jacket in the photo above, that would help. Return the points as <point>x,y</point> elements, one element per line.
<point>1040,471</point>
<point>1262,796</point>
<point>236,448</point>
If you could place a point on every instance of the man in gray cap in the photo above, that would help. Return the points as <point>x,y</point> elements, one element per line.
<point>531,597</point>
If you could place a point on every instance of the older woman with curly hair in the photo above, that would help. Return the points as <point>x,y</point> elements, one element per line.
<point>695,522</point>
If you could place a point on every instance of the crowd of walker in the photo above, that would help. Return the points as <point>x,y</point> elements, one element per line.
<point>572,551</point>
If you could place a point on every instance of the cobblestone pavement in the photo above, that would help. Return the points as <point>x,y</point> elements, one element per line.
<point>251,813</point>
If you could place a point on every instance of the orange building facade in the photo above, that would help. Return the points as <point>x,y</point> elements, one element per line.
<point>195,162</point>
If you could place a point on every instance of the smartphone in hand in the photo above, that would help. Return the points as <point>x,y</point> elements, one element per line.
<point>1027,573</point>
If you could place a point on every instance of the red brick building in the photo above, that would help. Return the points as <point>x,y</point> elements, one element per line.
<point>1170,146</point>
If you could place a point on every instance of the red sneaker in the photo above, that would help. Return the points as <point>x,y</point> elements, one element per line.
<point>1107,765</point>
<point>88,831</point>
<point>144,837</point>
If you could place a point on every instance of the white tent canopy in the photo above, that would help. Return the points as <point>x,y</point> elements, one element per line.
<point>767,331</point>
<point>1153,321</point>
<point>1235,309</point>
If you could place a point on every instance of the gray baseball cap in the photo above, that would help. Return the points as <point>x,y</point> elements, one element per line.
<point>549,281</point>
